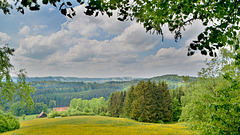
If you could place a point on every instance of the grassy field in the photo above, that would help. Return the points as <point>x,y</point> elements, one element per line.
<point>96,125</point>
<point>28,117</point>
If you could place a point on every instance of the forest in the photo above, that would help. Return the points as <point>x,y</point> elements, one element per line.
<point>60,93</point>
<point>146,102</point>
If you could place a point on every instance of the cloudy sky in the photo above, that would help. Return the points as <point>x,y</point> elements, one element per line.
<point>49,44</point>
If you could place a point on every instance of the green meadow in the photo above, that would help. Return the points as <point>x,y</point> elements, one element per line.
<point>28,117</point>
<point>96,125</point>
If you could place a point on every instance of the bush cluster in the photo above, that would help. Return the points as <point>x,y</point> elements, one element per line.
<point>70,112</point>
<point>8,122</point>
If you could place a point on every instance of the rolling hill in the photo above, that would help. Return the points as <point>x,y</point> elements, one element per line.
<point>96,125</point>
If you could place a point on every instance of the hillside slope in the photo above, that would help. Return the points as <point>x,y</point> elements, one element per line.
<point>96,125</point>
<point>63,91</point>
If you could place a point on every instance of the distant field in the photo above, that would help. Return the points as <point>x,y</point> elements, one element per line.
<point>28,117</point>
<point>96,125</point>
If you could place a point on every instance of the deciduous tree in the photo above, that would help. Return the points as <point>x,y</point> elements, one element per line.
<point>8,88</point>
<point>212,103</point>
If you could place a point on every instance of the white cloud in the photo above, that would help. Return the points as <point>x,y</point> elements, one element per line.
<point>24,31</point>
<point>51,9</point>
<point>88,25</point>
<point>4,38</point>
<point>72,51</point>
<point>175,61</point>
<point>135,38</point>
<point>192,31</point>
<point>39,27</point>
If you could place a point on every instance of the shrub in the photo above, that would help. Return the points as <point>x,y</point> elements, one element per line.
<point>159,121</point>
<point>23,116</point>
<point>8,122</point>
<point>107,114</point>
<point>64,114</point>
<point>141,119</point>
<point>87,110</point>
<point>102,114</point>
<point>53,114</point>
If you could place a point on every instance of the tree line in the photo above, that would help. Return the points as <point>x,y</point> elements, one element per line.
<point>147,101</point>
<point>95,106</point>
<point>63,92</point>
<point>18,109</point>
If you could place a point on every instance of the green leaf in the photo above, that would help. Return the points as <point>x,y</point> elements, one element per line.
<point>200,37</point>
<point>205,23</point>
<point>236,47</point>
<point>204,52</point>
<point>224,25</point>
<point>64,11</point>
<point>230,42</point>
<point>193,46</point>
<point>45,2</point>
<point>211,54</point>
<point>69,3</point>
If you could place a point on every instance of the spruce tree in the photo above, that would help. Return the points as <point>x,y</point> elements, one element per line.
<point>166,102</point>
<point>120,99</point>
<point>159,97</point>
<point>156,105</point>
<point>115,103</point>
<point>127,104</point>
<point>150,101</point>
<point>111,104</point>
<point>139,102</point>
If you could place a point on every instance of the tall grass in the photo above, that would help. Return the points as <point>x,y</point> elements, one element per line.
<point>96,125</point>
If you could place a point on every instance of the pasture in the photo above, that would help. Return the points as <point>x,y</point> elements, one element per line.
<point>96,125</point>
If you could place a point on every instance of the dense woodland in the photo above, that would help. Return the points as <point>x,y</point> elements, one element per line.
<point>76,79</point>
<point>59,94</point>
<point>148,102</point>
<point>64,92</point>
<point>145,102</point>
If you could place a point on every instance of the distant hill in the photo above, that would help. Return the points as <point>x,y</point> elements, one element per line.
<point>173,80</point>
<point>64,89</point>
<point>76,79</point>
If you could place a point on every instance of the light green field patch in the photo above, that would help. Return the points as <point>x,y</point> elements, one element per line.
<point>96,125</point>
<point>28,117</point>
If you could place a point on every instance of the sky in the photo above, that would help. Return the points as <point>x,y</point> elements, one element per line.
<point>47,43</point>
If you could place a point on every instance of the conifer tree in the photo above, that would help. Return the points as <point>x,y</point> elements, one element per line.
<point>115,103</point>
<point>127,104</point>
<point>166,102</point>
<point>159,98</point>
<point>138,109</point>
<point>111,104</point>
<point>120,99</point>
<point>151,103</point>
